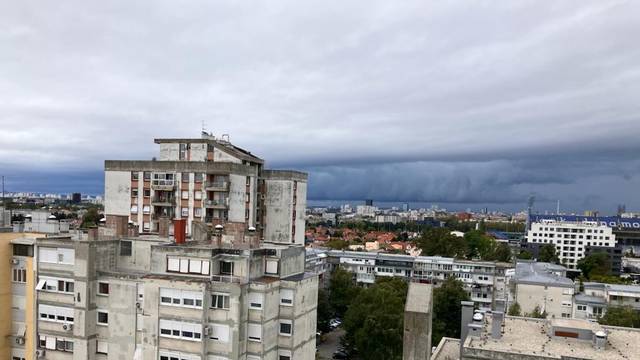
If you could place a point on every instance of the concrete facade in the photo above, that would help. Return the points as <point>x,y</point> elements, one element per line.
<point>417,322</point>
<point>543,285</point>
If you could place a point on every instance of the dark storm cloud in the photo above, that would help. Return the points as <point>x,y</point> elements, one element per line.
<point>446,101</point>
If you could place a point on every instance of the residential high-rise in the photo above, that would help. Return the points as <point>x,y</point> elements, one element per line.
<point>209,181</point>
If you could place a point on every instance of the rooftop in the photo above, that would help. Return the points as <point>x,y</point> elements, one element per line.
<point>539,273</point>
<point>531,337</point>
<point>448,349</point>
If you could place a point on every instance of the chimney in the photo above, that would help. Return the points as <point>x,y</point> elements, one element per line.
<point>179,230</point>
<point>496,324</point>
<point>119,224</point>
<point>163,227</point>
<point>600,340</point>
<point>501,305</point>
<point>92,234</point>
<point>465,320</point>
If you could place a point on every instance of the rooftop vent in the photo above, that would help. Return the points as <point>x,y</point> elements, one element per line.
<point>600,340</point>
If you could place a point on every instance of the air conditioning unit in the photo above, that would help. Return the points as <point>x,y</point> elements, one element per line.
<point>40,353</point>
<point>206,330</point>
<point>67,327</point>
<point>20,340</point>
<point>15,261</point>
<point>138,305</point>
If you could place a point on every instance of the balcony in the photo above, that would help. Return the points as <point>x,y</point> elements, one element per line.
<point>164,201</point>
<point>216,204</point>
<point>217,186</point>
<point>163,184</point>
<point>228,279</point>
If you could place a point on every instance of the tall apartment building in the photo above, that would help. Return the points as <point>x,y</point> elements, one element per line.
<point>572,240</point>
<point>209,181</point>
<point>483,280</point>
<point>236,289</point>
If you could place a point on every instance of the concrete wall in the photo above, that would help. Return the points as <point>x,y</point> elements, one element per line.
<point>237,191</point>
<point>169,151</point>
<point>117,190</point>
<point>198,152</point>
<point>278,211</point>
<point>549,299</point>
<point>222,156</point>
<point>301,207</point>
<point>6,254</point>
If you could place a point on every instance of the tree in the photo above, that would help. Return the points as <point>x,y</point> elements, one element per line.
<point>342,291</point>
<point>624,316</point>
<point>502,253</point>
<point>514,310</point>
<point>337,244</point>
<point>447,312</point>
<point>440,241</point>
<point>325,313</point>
<point>595,264</point>
<point>525,255</point>
<point>90,218</point>
<point>548,254</point>
<point>374,321</point>
<point>536,313</point>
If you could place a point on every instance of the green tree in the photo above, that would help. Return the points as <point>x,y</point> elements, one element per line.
<point>597,264</point>
<point>548,254</point>
<point>325,313</point>
<point>536,313</point>
<point>374,321</point>
<point>624,316</point>
<point>440,241</point>
<point>447,312</point>
<point>337,244</point>
<point>502,253</point>
<point>90,218</point>
<point>342,291</point>
<point>525,255</point>
<point>514,310</point>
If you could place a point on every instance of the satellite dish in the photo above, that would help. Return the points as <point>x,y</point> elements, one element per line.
<point>252,229</point>
<point>219,227</point>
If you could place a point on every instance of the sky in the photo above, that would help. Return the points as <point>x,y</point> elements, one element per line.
<point>464,103</point>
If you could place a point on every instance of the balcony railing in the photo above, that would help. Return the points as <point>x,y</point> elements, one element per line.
<point>163,201</point>
<point>217,186</point>
<point>162,184</point>
<point>227,279</point>
<point>216,204</point>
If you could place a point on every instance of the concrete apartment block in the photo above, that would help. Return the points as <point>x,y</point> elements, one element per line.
<point>208,181</point>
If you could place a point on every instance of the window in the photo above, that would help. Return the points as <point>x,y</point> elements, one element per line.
<point>146,209</point>
<point>284,355</point>
<point>19,275</point>
<point>125,248</point>
<point>22,250</point>
<point>53,343</point>
<point>173,355</point>
<point>56,255</point>
<point>197,177</point>
<point>180,330</point>
<point>197,212</point>
<point>134,209</point>
<point>103,288</point>
<point>55,313</point>
<point>581,308</point>
<point>197,195</point>
<point>286,297</point>
<point>255,300</point>
<point>134,175</point>
<point>146,226</point>
<point>134,193</point>
<point>254,332</point>
<point>220,332</point>
<point>188,266</point>
<point>146,175</point>
<point>285,327</point>
<point>220,301</point>
<point>52,284</point>
<point>185,212</point>
<point>185,177</point>
<point>271,267</point>
<point>226,268</point>
<point>184,298</point>
<point>185,195</point>
<point>102,347</point>
<point>103,317</point>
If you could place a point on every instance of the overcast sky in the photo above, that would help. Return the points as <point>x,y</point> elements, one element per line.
<point>465,102</point>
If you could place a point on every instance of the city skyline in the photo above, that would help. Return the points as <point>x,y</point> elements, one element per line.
<point>394,103</point>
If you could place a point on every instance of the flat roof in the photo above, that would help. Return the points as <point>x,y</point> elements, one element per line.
<point>531,337</point>
<point>448,349</point>
<point>419,298</point>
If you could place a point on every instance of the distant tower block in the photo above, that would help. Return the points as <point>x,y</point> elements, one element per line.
<point>417,322</point>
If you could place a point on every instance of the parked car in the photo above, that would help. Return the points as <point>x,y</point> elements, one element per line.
<point>340,355</point>
<point>334,323</point>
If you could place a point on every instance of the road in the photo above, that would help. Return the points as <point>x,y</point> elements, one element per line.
<point>330,345</point>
